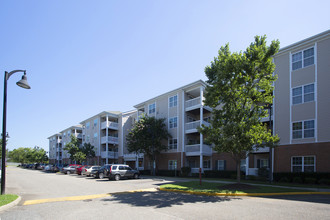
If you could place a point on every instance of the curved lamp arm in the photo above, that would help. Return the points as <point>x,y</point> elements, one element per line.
<point>12,72</point>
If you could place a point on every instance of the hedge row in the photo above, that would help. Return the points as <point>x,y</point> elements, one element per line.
<point>309,178</point>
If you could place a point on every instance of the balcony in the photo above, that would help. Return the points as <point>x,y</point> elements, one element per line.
<point>132,156</point>
<point>79,136</point>
<point>109,140</point>
<point>193,103</point>
<point>191,127</point>
<point>196,170</point>
<point>59,141</point>
<point>260,150</point>
<point>110,124</point>
<point>195,150</point>
<point>267,117</point>
<point>111,154</point>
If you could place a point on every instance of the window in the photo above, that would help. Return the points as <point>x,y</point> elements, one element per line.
<point>64,134</point>
<point>95,138</point>
<point>303,164</point>
<point>87,125</point>
<point>261,163</point>
<point>206,164</point>
<point>303,94</point>
<point>303,58</point>
<point>172,164</point>
<point>173,143</point>
<point>95,123</point>
<point>221,164</point>
<point>173,101</point>
<point>298,131</point>
<point>173,122</point>
<point>87,138</point>
<point>152,108</point>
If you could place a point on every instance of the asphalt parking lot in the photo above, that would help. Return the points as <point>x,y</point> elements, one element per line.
<point>143,203</point>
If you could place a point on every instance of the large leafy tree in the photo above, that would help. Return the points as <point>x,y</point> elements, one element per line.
<point>88,150</point>
<point>240,87</point>
<point>79,157</point>
<point>28,155</point>
<point>72,147</point>
<point>147,137</point>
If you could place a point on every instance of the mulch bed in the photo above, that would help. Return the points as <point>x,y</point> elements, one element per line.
<point>237,186</point>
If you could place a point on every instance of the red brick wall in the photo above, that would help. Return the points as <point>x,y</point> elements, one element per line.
<point>162,160</point>
<point>230,163</point>
<point>283,154</point>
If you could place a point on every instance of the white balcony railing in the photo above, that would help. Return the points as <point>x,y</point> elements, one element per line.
<point>195,124</point>
<point>109,140</point>
<point>193,102</point>
<point>79,136</point>
<point>110,124</point>
<point>194,150</point>
<point>111,154</point>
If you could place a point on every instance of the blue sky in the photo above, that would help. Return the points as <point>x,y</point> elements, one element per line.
<point>84,57</point>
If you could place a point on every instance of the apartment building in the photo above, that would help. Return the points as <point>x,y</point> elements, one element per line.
<point>66,138</point>
<point>184,112</point>
<point>55,148</point>
<point>302,118</point>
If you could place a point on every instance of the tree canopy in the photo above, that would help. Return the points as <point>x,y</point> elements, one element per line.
<point>148,136</point>
<point>72,147</point>
<point>240,87</point>
<point>28,155</point>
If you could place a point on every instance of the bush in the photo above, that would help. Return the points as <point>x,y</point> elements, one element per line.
<point>222,174</point>
<point>310,180</point>
<point>251,177</point>
<point>297,179</point>
<point>185,171</point>
<point>263,172</point>
<point>145,172</point>
<point>324,181</point>
<point>165,172</point>
<point>284,180</point>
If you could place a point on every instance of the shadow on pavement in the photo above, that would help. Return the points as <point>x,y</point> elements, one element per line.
<point>160,199</point>
<point>325,199</point>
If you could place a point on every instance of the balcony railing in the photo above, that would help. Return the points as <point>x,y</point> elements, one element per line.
<point>195,149</point>
<point>193,102</point>
<point>79,136</point>
<point>194,125</point>
<point>110,124</point>
<point>111,154</point>
<point>109,140</point>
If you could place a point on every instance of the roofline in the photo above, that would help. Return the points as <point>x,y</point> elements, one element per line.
<point>308,40</point>
<point>180,88</point>
<point>101,113</point>
<point>57,134</point>
<point>75,126</point>
<point>129,112</point>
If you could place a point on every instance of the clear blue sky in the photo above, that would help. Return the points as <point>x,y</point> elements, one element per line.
<point>84,57</point>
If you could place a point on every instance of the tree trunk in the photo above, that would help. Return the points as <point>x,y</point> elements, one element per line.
<point>238,168</point>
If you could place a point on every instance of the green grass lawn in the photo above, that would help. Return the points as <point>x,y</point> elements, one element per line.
<point>7,198</point>
<point>209,187</point>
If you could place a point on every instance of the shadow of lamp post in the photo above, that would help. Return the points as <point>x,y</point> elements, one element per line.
<point>24,84</point>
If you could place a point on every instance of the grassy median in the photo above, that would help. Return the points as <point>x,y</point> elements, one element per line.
<point>7,198</point>
<point>211,187</point>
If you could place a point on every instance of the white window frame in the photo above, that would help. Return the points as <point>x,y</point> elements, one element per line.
<point>303,93</point>
<point>87,125</point>
<point>303,163</point>
<point>303,129</point>
<point>173,122</point>
<point>172,164</point>
<point>172,143</point>
<point>95,123</point>
<point>302,60</point>
<point>173,102</point>
<point>152,108</point>
<point>208,164</point>
<point>221,166</point>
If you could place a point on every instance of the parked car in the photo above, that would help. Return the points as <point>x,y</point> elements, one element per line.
<point>88,169</point>
<point>70,169</point>
<point>79,169</point>
<point>117,172</point>
<point>49,168</point>
<point>95,172</point>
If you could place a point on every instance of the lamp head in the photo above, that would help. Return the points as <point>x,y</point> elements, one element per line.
<point>23,82</point>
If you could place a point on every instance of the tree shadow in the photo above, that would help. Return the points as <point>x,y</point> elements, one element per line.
<point>161,199</point>
<point>325,199</point>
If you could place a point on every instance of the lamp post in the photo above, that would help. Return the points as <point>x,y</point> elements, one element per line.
<point>270,149</point>
<point>24,84</point>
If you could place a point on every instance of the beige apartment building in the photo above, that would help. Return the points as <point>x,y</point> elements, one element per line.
<point>55,148</point>
<point>302,103</point>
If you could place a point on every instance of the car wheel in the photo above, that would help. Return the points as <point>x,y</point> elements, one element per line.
<point>136,176</point>
<point>68,172</point>
<point>101,175</point>
<point>117,177</point>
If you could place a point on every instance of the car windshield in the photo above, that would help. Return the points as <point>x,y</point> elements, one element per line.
<point>95,168</point>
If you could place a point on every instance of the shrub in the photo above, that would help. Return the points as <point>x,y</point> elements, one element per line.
<point>221,174</point>
<point>324,181</point>
<point>284,180</point>
<point>185,171</point>
<point>263,172</point>
<point>297,179</point>
<point>251,177</point>
<point>310,180</point>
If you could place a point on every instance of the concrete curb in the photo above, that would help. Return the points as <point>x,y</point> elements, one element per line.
<point>245,194</point>
<point>10,205</point>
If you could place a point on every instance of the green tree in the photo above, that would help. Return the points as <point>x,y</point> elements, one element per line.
<point>240,86</point>
<point>79,157</point>
<point>147,137</point>
<point>28,155</point>
<point>88,150</point>
<point>72,147</point>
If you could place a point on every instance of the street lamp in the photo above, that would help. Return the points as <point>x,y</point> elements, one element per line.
<point>24,84</point>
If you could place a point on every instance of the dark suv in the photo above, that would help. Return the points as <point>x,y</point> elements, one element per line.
<point>118,171</point>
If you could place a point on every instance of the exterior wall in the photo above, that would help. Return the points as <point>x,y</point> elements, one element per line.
<point>230,163</point>
<point>163,160</point>
<point>283,154</point>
